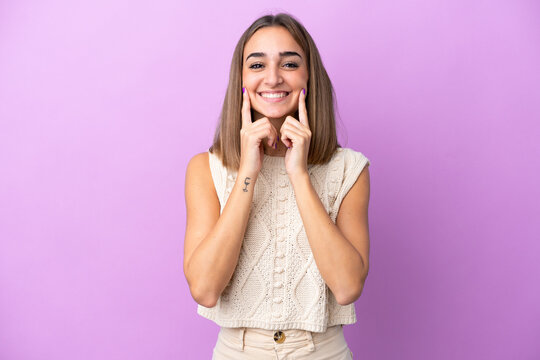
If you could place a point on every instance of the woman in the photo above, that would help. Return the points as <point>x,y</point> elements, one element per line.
<point>277,240</point>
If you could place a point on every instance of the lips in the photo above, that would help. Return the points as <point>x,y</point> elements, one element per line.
<point>273,95</point>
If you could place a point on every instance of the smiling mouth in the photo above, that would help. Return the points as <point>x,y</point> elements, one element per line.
<point>274,95</point>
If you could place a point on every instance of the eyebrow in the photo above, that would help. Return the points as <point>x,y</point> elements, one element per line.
<point>281,54</point>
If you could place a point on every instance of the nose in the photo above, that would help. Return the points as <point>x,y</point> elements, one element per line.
<point>273,76</point>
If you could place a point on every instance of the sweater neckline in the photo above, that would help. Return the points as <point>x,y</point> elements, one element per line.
<point>273,161</point>
<point>277,162</point>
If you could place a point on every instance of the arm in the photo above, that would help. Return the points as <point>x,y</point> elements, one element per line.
<point>212,242</point>
<point>341,250</point>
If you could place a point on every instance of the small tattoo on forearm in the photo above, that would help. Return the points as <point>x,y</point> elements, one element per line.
<point>247,183</point>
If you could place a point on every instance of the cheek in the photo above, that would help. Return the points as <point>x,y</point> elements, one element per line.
<point>245,79</point>
<point>305,79</point>
<point>248,78</point>
<point>300,81</point>
<point>251,86</point>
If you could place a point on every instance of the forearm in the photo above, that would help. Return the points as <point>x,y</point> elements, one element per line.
<point>213,262</point>
<point>339,263</point>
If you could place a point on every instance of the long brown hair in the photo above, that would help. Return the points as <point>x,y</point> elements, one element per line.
<point>319,100</point>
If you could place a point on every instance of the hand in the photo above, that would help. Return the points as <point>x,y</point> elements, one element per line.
<point>251,137</point>
<point>296,135</point>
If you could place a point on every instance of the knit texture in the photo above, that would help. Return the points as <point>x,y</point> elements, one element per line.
<point>276,284</point>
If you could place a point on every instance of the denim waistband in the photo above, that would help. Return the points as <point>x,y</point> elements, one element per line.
<point>266,338</point>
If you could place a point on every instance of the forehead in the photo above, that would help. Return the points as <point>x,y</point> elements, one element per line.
<point>272,40</point>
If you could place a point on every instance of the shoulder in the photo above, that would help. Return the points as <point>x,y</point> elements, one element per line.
<point>349,158</point>
<point>199,161</point>
<point>198,174</point>
<point>198,166</point>
<point>349,153</point>
<point>199,158</point>
<point>353,167</point>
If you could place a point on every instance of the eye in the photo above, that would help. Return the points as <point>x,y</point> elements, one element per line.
<point>291,65</point>
<point>255,66</point>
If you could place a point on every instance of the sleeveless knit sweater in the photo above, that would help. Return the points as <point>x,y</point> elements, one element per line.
<point>276,284</point>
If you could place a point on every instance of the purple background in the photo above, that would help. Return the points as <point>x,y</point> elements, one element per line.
<point>103,103</point>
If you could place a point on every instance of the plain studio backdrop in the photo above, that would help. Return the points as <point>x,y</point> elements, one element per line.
<point>103,103</point>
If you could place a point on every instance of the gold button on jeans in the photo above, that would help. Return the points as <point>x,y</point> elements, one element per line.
<point>279,337</point>
<point>254,343</point>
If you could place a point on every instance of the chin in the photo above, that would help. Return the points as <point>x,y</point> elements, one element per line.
<point>275,114</point>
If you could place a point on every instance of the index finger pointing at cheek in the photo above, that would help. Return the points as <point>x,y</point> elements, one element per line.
<point>246,108</point>
<point>302,112</point>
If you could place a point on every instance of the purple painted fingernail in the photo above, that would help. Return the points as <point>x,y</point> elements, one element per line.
<point>304,90</point>
<point>243,90</point>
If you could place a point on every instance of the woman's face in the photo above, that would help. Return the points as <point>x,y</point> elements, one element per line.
<point>274,72</point>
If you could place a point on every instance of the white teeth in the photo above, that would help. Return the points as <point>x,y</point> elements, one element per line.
<point>274,96</point>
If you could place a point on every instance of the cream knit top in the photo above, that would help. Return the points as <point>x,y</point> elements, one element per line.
<point>276,284</point>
